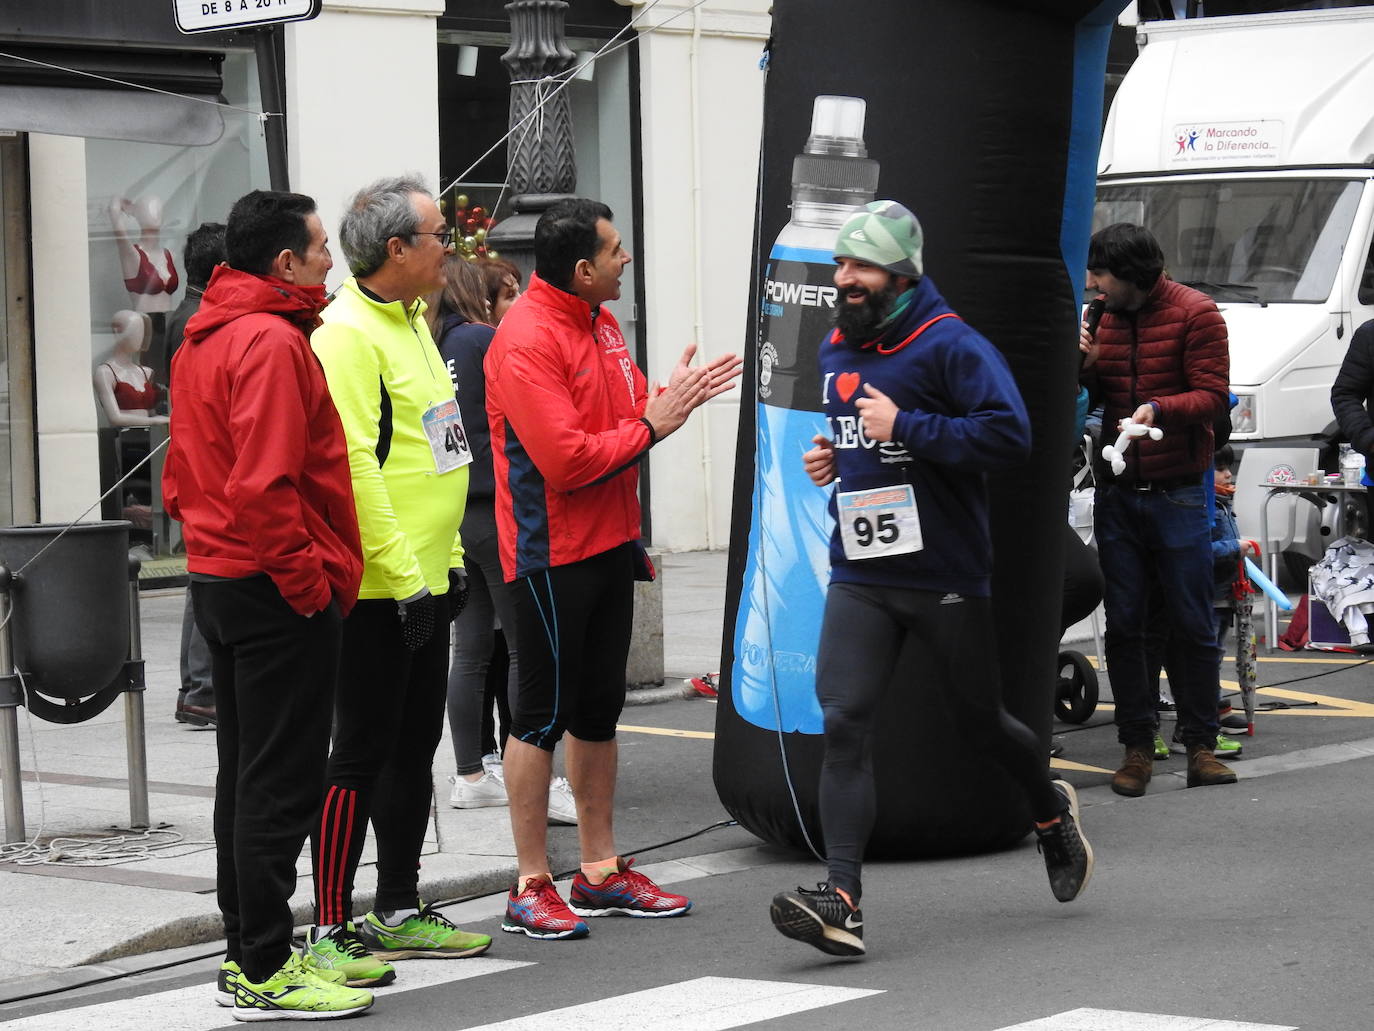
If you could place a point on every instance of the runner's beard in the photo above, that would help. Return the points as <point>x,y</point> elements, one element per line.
<point>860,323</point>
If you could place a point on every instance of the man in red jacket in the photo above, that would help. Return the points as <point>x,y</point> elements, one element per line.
<point>257,473</point>
<point>1159,358</point>
<point>570,418</point>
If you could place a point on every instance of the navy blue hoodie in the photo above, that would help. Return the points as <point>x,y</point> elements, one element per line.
<point>463,345</point>
<point>960,417</point>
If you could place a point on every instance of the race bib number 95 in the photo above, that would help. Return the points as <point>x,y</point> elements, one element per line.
<point>879,522</point>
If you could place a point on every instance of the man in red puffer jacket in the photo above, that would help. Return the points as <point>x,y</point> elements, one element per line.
<point>1159,357</point>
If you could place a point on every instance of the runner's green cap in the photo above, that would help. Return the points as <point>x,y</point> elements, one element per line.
<point>884,234</point>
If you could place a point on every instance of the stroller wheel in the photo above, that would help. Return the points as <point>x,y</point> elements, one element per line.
<point>1075,697</point>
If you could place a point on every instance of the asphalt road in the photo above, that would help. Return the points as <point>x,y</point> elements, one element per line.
<point>1228,909</point>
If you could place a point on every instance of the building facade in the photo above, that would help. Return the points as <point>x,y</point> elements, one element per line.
<point>119,135</point>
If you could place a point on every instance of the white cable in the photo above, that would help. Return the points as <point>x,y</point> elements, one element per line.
<point>23,853</point>
<point>118,483</point>
<point>153,843</point>
<point>758,507</point>
<point>16,852</point>
<point>260,115</point>
<point>566,76</point>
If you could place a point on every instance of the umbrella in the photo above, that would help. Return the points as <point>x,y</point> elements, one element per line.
<point>1245,654</point>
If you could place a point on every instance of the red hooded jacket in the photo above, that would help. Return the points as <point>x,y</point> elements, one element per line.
<point>564,400</point>
<point>1172,352</point>
<point>257,469</point>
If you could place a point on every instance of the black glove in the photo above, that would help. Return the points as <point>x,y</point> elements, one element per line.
<point>417,620</point>
<point>457,592</point>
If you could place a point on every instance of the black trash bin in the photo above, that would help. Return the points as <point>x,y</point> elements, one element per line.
<point>70,623</point>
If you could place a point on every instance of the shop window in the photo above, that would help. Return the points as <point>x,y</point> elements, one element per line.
<point>143,201</point>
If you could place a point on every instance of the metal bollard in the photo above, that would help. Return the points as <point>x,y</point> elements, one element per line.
<point>135,735</point>
<point>10,699</point>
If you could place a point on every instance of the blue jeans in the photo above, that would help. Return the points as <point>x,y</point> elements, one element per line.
<point>1164,534</point>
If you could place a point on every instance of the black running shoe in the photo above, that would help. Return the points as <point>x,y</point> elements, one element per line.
<point>1068,856</point>
<point>821,918</point>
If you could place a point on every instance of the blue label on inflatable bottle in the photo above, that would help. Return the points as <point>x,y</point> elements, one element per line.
<point>773,679</point>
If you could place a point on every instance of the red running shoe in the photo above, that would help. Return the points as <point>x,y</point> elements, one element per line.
<point>540,912</point>
<point>625,891</point>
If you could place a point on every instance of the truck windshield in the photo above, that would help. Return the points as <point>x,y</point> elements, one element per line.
<point>1249,239</point>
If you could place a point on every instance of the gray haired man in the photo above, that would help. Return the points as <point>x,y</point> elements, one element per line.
<point>408,457</point>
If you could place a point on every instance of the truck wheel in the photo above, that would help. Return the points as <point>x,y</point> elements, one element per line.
<point>1075,696</point>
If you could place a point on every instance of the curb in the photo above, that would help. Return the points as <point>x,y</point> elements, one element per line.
<point>205,928</point>
<point>669,692</point>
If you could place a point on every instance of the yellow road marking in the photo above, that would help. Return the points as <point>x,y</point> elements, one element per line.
<point>1342,706</point>
<point>1065,764</point>
<point>1055,764</point>
<point>665,732</point>
<point>1230,660</point>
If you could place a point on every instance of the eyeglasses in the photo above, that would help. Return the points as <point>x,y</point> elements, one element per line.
<point>445,237</point>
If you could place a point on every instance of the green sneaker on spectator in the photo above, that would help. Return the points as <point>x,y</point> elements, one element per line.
<point>1227,746</point>
<point>343,950</point>
<point>295,992</point>
<point>423,935</point>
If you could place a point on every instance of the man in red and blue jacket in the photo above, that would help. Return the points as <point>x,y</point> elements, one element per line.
<point>571,416</point>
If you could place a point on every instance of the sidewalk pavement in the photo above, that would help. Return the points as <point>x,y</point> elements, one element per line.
<point>75,784</point>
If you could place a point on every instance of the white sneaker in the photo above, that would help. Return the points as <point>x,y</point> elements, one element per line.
<point>491,762</point>
<point>562,807</point>
<point>477,794</point>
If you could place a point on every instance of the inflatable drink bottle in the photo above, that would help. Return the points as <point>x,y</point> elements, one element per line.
<point>788,567</point>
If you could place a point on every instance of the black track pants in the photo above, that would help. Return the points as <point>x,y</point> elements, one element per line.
<point>274,673</point>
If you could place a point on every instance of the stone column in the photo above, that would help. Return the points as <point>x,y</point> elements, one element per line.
<point>542,167</point>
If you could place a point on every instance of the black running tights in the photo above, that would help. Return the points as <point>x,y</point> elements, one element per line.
<point>861,638</point>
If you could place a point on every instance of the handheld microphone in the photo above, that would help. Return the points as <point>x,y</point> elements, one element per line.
<point>1094,314</point>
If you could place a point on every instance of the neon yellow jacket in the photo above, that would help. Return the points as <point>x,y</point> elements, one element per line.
<point>384,373</point>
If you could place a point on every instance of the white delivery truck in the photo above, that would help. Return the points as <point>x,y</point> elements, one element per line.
<point>1246,144</point>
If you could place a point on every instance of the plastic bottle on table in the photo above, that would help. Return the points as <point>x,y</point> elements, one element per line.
<point>1352,466</point>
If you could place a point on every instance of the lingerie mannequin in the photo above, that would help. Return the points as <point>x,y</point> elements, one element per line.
<point>125,387</point>
<point>149,272</point>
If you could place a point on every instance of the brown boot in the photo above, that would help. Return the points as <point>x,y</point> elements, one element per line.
<point>1135,771</point>
<point>1205,769</point>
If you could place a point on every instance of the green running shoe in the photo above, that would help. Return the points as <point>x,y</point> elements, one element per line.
<point>1227,746</point>
<point>229,972</point>
<point>224,982</point>
<point>426,935</point>
<point>343,950</point>
<point>294,992</point>
<point>1161,749</point>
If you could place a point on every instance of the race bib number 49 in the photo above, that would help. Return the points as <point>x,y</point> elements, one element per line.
<point>879,522</point>
<point>444,428</point>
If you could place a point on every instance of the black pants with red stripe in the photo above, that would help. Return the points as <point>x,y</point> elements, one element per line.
<point>389,716</point>
<point>274,673</point>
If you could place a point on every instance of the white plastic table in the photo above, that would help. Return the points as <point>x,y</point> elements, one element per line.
<point>1316,495</point>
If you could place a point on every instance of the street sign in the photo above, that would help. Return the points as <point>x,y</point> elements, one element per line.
<point>218,15</point>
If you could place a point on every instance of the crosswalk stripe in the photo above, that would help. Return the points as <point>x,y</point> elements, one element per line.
<point>193,1008</point>
<point>1120,1020</point>
<point>701,1004</point>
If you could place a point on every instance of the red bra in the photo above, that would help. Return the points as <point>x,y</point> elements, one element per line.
<point>131,398</point>
<point>148,280</point>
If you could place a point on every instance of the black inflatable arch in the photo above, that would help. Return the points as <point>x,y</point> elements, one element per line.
<point>984,117</point>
